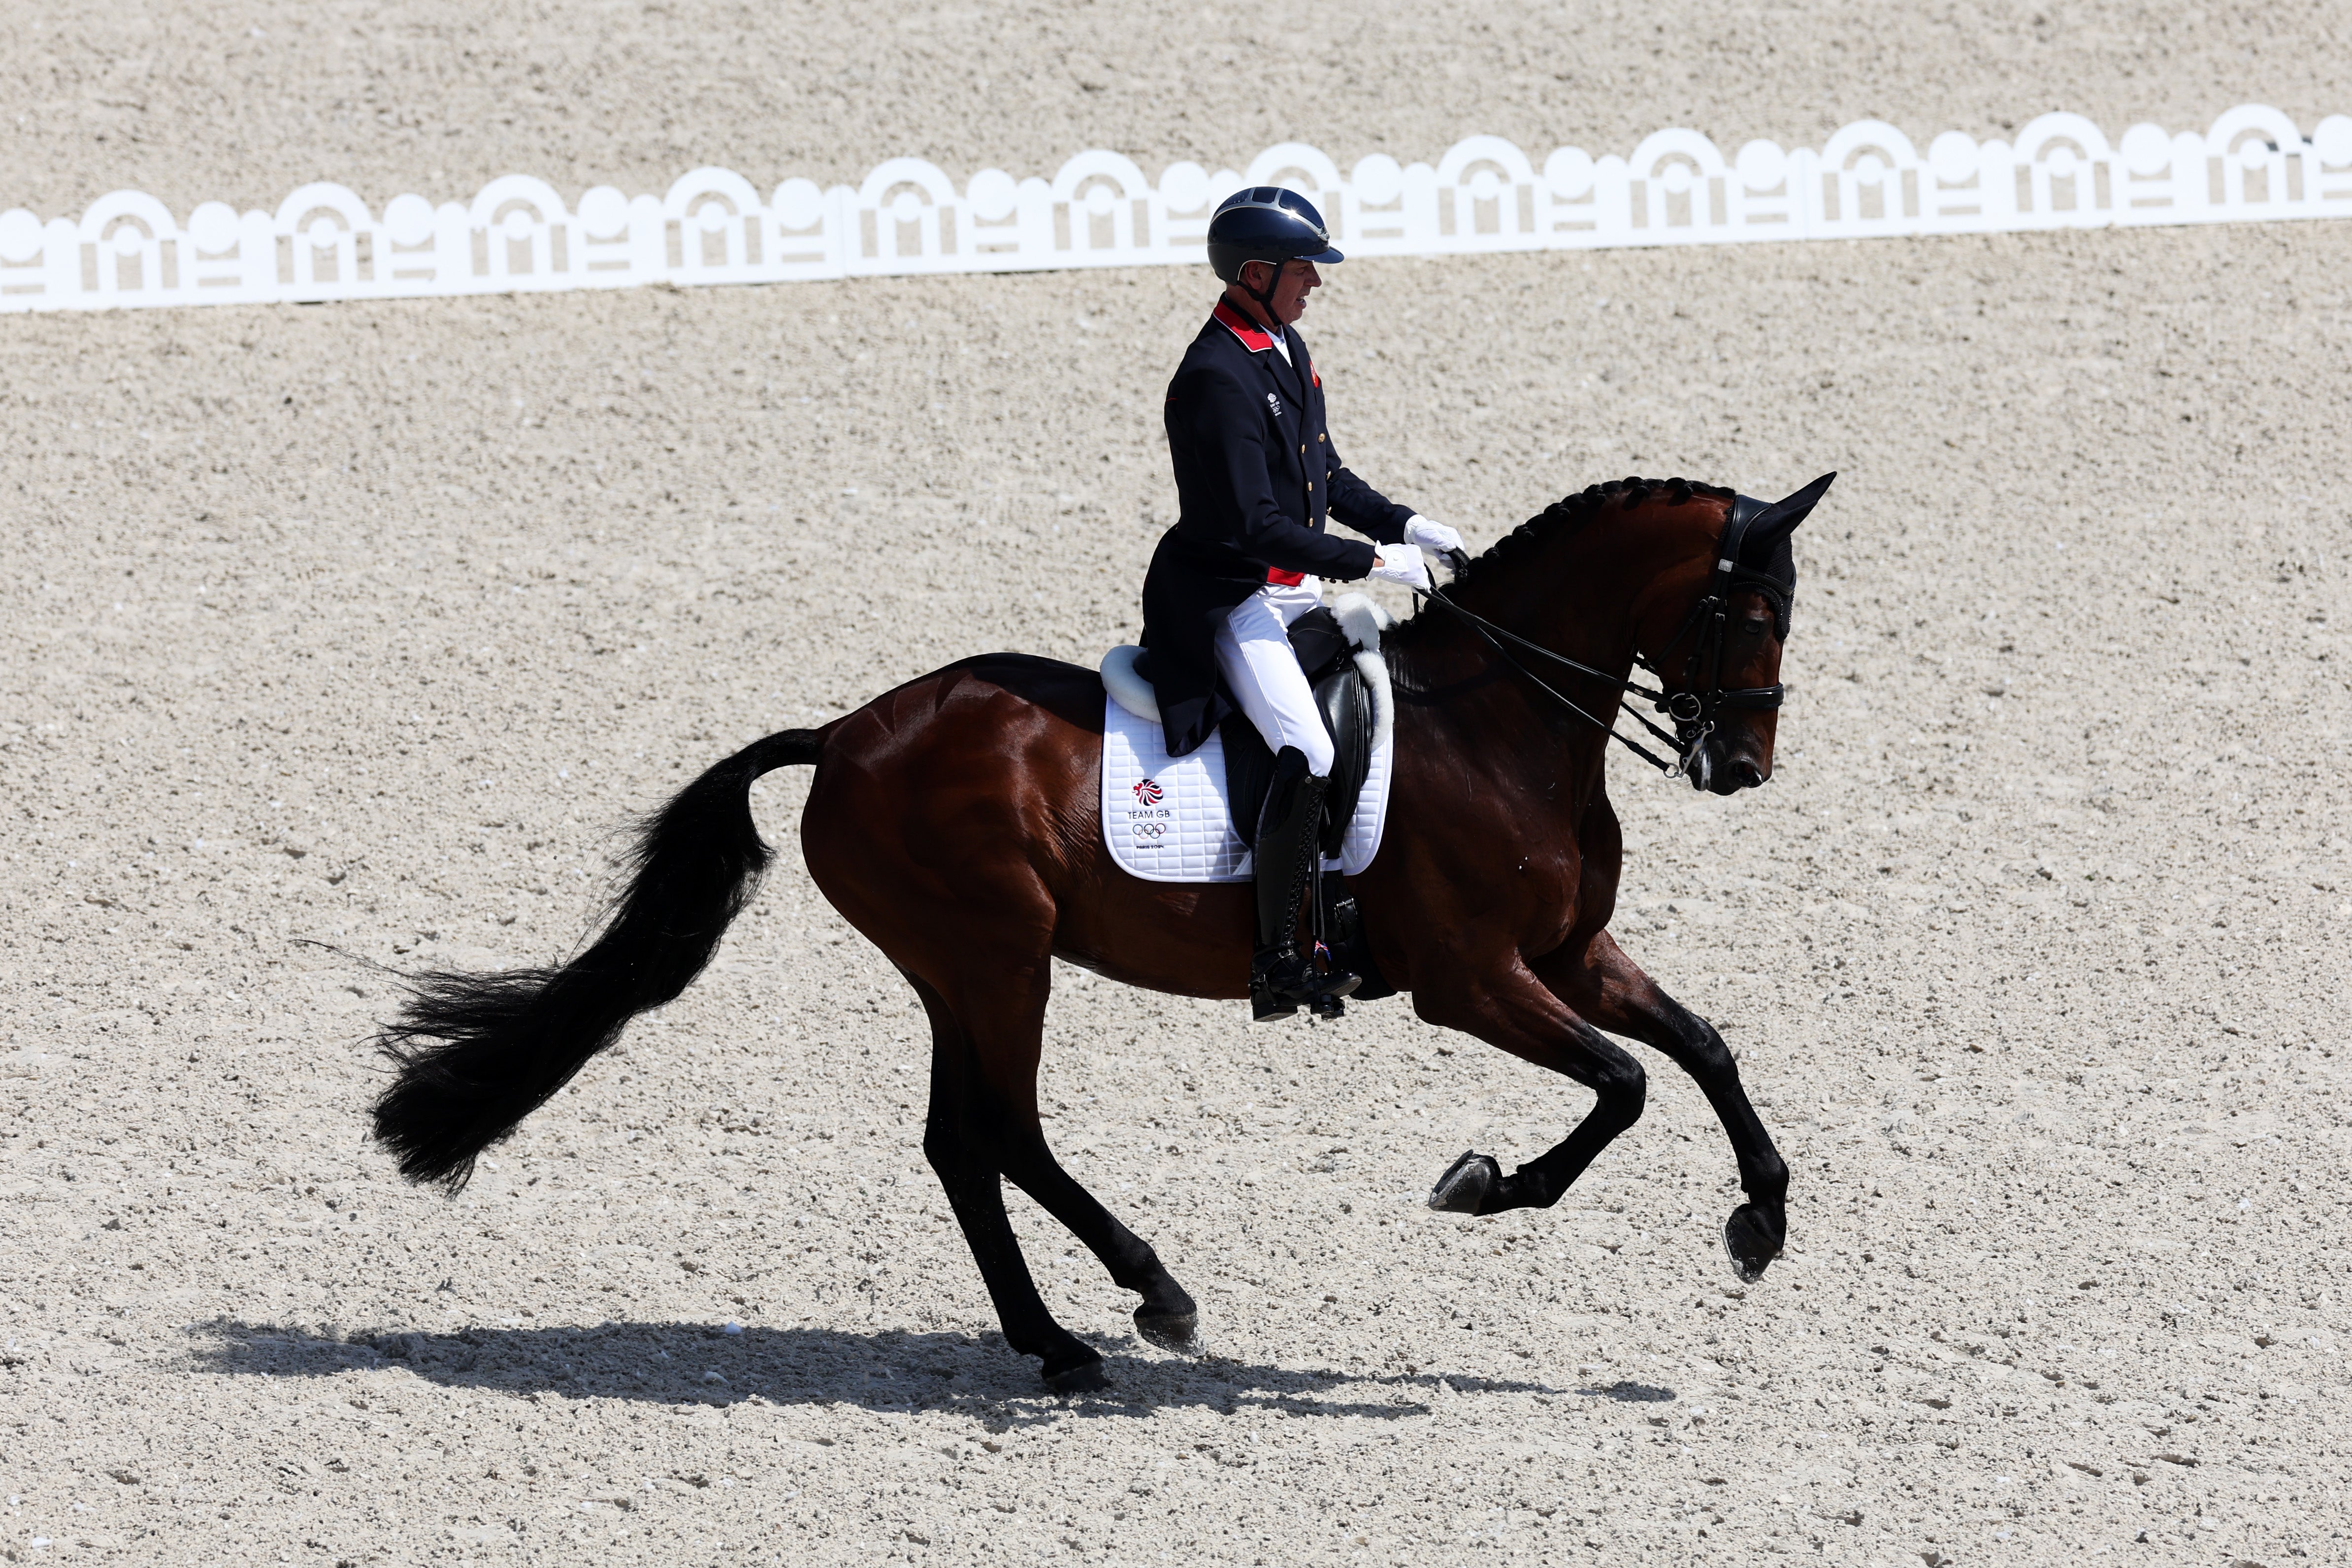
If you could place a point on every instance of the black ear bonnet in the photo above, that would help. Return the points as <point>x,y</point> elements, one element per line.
<point>1758,552</point>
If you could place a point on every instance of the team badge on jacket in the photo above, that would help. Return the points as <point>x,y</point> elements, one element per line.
<point>1274,404</point>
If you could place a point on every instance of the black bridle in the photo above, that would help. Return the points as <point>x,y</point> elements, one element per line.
<point>1702,695</point>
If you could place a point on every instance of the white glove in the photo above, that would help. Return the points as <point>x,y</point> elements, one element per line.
<point>1433,537</point>
<point>1400,564</point>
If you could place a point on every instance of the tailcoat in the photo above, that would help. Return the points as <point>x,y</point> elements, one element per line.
<point>1257,475</point>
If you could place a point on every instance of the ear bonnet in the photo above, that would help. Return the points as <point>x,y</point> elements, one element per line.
<point>1756,549</point>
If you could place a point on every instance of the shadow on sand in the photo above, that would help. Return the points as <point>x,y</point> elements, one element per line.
<point>678,1364</point>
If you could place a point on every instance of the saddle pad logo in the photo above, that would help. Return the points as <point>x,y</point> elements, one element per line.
<point>1147,792</point>
<point>1151,832</point>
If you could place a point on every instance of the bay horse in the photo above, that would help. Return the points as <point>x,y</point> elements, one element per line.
<point>955,822</point>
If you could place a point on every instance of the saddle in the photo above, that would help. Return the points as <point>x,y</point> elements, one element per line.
<point>1345,698</point>
<point>1339,649</point>
<point>1346,704</point>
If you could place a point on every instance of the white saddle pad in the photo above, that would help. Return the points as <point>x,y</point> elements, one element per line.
<point>1166,820</point>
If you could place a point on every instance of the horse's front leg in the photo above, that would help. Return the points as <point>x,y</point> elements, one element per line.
<point>1509,1007</point>
<point>1602,984</point>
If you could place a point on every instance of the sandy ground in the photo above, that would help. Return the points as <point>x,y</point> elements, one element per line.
<point>368,624</point>
<point>243,101</point>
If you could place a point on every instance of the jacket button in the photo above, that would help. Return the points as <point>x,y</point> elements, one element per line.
<point>1302,446</point>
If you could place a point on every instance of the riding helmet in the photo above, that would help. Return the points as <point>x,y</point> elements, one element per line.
<point>1267,223</point>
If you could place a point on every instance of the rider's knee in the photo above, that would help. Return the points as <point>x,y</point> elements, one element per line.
<point>1316,745</point>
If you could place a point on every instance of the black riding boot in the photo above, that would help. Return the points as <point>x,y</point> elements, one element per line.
<point>1281,977</point>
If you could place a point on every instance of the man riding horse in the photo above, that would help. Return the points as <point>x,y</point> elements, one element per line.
<point>953,820</point>
<point>1257,475</point>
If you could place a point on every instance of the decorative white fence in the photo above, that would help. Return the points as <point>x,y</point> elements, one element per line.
<point>715,226</point>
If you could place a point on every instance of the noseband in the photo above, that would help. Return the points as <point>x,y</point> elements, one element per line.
<point>1692,706</point>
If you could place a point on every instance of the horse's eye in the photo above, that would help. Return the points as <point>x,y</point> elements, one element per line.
<point>1754,626</point>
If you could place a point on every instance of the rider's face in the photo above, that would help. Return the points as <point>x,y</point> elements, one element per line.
<point>1290,290</point>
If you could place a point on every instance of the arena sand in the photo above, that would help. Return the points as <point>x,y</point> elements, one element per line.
<point>370,625</point>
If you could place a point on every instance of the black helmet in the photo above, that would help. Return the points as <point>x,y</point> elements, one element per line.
<point>1267,223</point>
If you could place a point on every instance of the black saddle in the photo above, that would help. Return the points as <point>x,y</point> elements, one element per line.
<point>1347,708</point>
<point>1346,704</point>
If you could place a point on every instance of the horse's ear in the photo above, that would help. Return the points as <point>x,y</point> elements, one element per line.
<point>1771,526</point>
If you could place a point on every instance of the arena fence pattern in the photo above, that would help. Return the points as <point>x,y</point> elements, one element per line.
<point>907,217</point>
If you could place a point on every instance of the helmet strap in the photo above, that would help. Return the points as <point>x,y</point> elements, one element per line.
<point>1265,300</point>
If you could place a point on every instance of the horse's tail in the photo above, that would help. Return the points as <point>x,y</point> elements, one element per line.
<point>477,1053</point>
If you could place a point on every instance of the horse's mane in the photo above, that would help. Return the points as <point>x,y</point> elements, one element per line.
<point>1510,552</point>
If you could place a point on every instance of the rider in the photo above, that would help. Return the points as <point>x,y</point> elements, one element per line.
<point>1255,475</point>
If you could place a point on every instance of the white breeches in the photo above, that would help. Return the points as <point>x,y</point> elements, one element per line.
<point>1254,656</point>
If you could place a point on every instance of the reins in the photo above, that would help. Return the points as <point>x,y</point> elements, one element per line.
<point>1691,709</point>
<point>1489,632</point>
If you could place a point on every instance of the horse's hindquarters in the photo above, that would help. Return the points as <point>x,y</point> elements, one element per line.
<point>956,822</point>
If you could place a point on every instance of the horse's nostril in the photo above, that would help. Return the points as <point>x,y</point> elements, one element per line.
<point>1748,774</point>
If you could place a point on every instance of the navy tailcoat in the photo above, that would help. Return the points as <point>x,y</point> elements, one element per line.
<point>1256,477</point>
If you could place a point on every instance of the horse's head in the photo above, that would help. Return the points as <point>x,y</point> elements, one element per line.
<point>1717,649</point>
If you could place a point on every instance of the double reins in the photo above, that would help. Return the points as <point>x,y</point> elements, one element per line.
<point>1495,636</point>
<point>1691,709</point>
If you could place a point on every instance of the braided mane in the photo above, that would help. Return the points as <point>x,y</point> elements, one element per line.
<point>1511,551</point>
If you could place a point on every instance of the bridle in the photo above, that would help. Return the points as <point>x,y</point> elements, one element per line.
<point>1692,706</point>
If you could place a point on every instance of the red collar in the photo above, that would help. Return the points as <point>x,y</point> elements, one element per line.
<point>1252,336</point>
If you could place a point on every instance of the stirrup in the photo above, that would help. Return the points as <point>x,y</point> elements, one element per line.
<point>1282,978</point>
<point>1266,1006</point>
<point>1330,1005</point>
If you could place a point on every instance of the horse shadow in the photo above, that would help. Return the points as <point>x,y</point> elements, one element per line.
<point>889,1370</point>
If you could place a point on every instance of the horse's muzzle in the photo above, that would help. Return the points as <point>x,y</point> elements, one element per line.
<point>1718,775</point>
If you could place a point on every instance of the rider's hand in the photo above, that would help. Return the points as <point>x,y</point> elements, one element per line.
<point>1433,537</point>
<point>1400,564</point>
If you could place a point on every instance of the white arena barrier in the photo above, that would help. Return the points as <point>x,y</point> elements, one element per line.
<point>712,226</point>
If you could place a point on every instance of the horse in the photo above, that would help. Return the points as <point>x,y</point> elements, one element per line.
<point>955,822</point>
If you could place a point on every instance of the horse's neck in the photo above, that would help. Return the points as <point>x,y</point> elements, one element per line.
<point>1585,591</point>
<point>1581,596</point>
<point>1575,604</point>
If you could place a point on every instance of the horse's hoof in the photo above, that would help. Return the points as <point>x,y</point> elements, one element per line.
<point>1466,1184</point>
<point>1752,1240</point>
<point>1086,1377</point>
<point>1175,1332</point>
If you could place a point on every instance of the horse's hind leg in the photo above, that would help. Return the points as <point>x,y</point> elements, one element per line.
<point>1609,989</point>
<point>1168,1316</point>
<point>983,1125</point>
<point>1005,1018</point>
<point>975,1192</point>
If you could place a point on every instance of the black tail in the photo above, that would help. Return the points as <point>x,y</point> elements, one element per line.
<point>477,1053</point>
